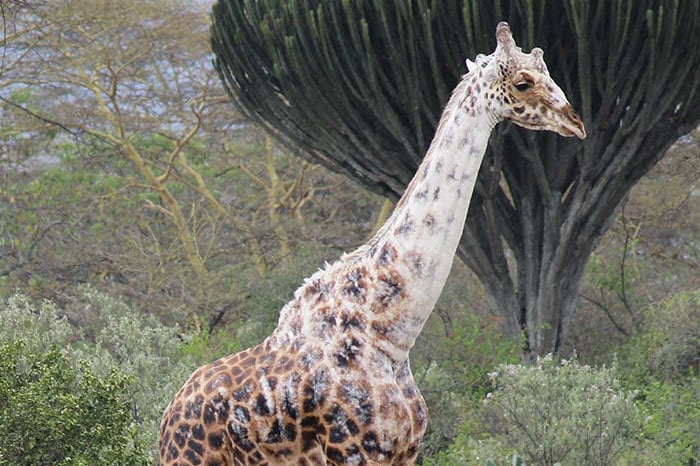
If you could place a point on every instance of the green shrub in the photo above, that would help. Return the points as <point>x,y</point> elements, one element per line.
<point>38,324</point>
<point>108,334</point>
<point>454,381</point>
<point>550,413</point>
<point>115,334</point>
<point>670,433</point>
<point>667,346</point>
<point>660,361</point>
<point>53,413</point>
<point>470,449</point>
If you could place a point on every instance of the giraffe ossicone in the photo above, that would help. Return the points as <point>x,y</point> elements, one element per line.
<point>332,384</point>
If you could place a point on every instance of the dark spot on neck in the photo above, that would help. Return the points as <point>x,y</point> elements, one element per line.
<point>391,287</point>
<point>387,254</point>
<point>430,222</point>
<point>405,227</point>
<point>348,353</point>
<point>415,261</point>
<point>438,167</point>
<point>452,175</point>
<point>423,193</point>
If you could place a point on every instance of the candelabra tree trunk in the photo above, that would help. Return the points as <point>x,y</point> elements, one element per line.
<point>358,86</point>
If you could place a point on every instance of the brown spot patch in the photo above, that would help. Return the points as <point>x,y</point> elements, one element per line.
<point>312,288</point>
<point>284,364</point>
<point>351,320</point>
<point>392,288</point>
<point>416,262</point>
<point>238,380</point>
<point>355,283</point>
<point>348,352</point>
<point>379,327</point>
<point>430,222</point>
<point>387,254</point>
<point>247,363</point>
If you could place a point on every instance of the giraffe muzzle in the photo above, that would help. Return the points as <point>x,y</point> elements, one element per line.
<point>572,125</point>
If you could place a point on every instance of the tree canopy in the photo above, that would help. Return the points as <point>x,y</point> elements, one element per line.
<point>358,86</point>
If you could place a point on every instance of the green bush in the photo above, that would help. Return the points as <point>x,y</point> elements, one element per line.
<point>454,381</point>
<point>53,413</point>
<point>670,433</point>
<point>108,334</point>
<point>550,413</point>
<point>660,361</point>
<point>38,324</point>
<point>667,346</point>
<point>115,334</point>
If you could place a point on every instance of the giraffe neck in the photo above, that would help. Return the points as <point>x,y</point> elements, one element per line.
<point>388,287</point>
<point>418,242</point>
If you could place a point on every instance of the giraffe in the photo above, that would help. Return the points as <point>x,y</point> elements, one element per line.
<point>332,384</point>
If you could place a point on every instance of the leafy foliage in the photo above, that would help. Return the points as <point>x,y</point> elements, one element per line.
<point>552,412</point>
<point>670,435</point>
<point>661,362</point>
<point>138,357</point>
<point>53,413</point>
<point>454,379</point>
<point>667,346</point>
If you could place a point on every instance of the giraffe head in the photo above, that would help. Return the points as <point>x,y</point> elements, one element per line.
<point>522,91</point>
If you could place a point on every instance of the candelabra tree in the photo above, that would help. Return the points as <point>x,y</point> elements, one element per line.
<point>358,86</point>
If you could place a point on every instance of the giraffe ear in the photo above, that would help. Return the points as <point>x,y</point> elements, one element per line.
<point>481,60</point>
<point>471,66</point>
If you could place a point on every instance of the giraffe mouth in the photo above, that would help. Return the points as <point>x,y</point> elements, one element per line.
<point>571,125</point>
<point>570,131</point>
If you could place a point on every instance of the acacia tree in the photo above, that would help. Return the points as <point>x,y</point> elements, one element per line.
<point>358,86</point>
<point>122,163</point>
<point>119,82</point>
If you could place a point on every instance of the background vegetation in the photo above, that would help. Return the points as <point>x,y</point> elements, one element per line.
<point>146,228</point>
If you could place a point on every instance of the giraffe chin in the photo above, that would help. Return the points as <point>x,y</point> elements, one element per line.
<point>567,130</point>
<point>571,130</point>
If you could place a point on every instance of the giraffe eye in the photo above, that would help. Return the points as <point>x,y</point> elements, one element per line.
<point>523,85</point>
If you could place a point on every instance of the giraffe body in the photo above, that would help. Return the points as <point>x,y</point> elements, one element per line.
<point>332,384</point>
<point>317,391</point>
